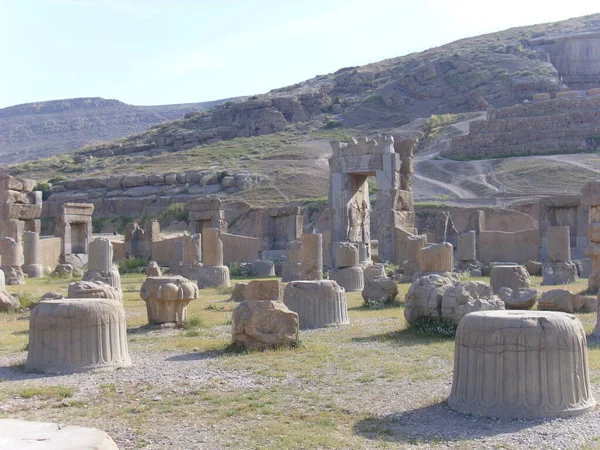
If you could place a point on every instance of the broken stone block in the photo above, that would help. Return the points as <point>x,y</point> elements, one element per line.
<point>20,434</point>
<point>153,270</point>
<point>521,298</point>
<point>237,294</point>
<point>559,272</point>
<point>424,297</point>
<point>513,277</point>
<point>94,289</point>
<point>466,297</point>
<point>264,324</point>
<point>262,268</point>
<point>373,271</point>
<point>436,258</point>
<point>345,254</point>
<point>553,364</point>
<point>534,267</point>
<point>319,304</point>
<point>558,300</point>
<point>257,290</point>
<point>379,292</point>
<point>8,302</point>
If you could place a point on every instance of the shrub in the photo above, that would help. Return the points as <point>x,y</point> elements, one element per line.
<point>434,327</point>
<point>45,188</point>
<point>28,300</point>
<point>332,124</point>
<point>132,265</point>
<point>237,269</point>
<point>193,322</point>
<point>175,211</point>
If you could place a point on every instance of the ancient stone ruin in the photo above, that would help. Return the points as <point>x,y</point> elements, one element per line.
<point>552,374</point>
<point>167,298</point>
<point>279,227</point>
<point>351,165</point>
<point>319,304</point>
<point>559,269</point>
<point>591,197</point>
<point>347,271</point>
<point>206,213</point>
<point>75,335</point>
<point>213,273</point>
<point>74,227</point>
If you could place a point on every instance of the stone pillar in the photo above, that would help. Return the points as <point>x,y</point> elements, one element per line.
<point>213,274</point>
<point>12,258</point>
<point>513,277</point>
<point>467,247</point>
<point>100,255</point>
<point>151,234</point>
<point>212,247</point>
<point>345,254</point>
<point>100,266</point>
<point>558,247</point>
<point>437,258</point>
<point>545,351</point>
<point>30,255</point>
<point>312,256</point>
<point>293,259</point>
<point>178,252</point>
<point>591,197</point>
<point>347,272</point>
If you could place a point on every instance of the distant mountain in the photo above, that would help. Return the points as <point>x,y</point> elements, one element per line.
<point>38,130</point>
<point>474,74</point>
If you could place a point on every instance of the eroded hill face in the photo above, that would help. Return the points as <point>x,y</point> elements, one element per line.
<point>38,130</point>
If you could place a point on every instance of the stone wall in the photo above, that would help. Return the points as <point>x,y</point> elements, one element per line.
<point>519,246</point>
<point>49,249</point>
<point>137,195</point>
<point>566,124</point>
<point>240,248</point>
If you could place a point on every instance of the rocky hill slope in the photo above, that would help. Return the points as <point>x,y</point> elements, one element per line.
<point>38,130</point>
<point>494,70</point>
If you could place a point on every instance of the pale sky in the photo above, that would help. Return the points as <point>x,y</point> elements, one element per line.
<point>151,52</point>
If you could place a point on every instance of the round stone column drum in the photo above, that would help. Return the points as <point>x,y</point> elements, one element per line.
<point>319,304</point>
<point>521,365</point>
<point>167,298</point>
<point>76,335</point>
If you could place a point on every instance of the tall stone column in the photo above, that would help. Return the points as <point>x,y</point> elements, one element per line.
<point>213,273</point>
<point>312,256</point>
<point>467,250</point>
<point>31,264</point>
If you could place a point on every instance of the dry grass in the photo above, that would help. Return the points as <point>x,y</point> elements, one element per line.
<point>314,396</point>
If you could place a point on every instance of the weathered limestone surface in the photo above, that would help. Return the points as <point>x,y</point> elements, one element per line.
<point>2,281</point>
<point>373,271</point>
<point>237,295</point>
<point>568,125</point>
<point>350,165</point>
<point>31,264</point>
<point>7,301</point>
<point>558,247</point>
<point>73,335</point>
<point>380,291</point>
<point>100,265</point>
<point>264,324</point>
<point>94,289</point>
<point>521,298</point>
<point>74,227</point>
<point>257,290</point>
<point>213,276</point>
<point>261,268</point>
<point>351,279</point>
<point>280,226</point>
<point>167,298</point>
<point>153,270</point>
<point>212,247</point>
<point>424,297</point>
<point>437,258</point>
<point>467,246</point>
<point>566,301</point>
<point>559,272</point>
<point>11,253</point>
<point>311,265</point>
<point>552,368</point>
<point>319,304</point>
<point>206,213</point>
<point>293,257</point>
<point>18,434</point>
<point>534,267</point>
<point>466,297</point>
<point>513,277</point>
<point>345,254</point>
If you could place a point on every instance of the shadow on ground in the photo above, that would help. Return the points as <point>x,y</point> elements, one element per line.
<point>433,424</point>
<point>407,336</point>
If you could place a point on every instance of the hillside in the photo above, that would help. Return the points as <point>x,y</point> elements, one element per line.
<point>494,70</point>
<point>38,130</point>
